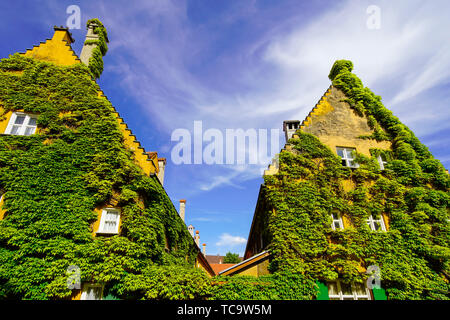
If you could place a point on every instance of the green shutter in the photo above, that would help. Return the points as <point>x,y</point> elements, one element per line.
<point>379,294</point>
<point>323,291</point>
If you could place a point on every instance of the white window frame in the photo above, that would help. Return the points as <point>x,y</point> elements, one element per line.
<point>353,296</point>
<point>381,162</point>
<point>371,223</point>
<point>22,127</point>
<point>87,286</point>
<point>101,228</point>
<point>338,220</point>
<point>347,156</point>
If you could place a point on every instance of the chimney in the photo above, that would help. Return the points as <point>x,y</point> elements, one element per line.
<point>162,166</point>
<point>197,238</point>
<point>182,208</point>
<point>92,41</point>
<point>290,127</point>
<point>204,249</point>
<point>191,230</point>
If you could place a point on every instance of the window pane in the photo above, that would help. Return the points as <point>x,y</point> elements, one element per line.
<point>15,129</point>
<point>346,289</point>
<point>376,225</point>
<point>337,225</point>
<point>332,289</point>
<point>29,130</point>
<point>348,153</point>
<point>32,122</point>
<point>19,120</point>
<point>360,289</point>
<point>340,152</point>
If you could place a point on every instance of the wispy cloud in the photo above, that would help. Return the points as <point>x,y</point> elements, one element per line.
<point>278,72</point>
<point>227,240</point>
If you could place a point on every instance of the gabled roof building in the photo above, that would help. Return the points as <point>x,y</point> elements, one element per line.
<point>355,202</point>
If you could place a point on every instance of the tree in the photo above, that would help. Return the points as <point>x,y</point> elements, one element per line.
<point>231,258</point>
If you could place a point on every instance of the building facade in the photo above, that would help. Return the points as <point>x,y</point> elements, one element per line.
<point>83,210</point>
<point>355,202</point>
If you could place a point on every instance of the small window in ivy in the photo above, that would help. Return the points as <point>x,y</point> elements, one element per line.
<point>109,222</point>
<point>348,157</point>
<point>337,221</point>
<point>22,124</point>
<point>382,161</point>
<point>339,290</point>
<point>92,292</point>
<point>376,224</point>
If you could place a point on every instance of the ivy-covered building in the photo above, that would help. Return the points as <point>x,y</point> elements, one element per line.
<point>352,192</point>
<point>81,199</point>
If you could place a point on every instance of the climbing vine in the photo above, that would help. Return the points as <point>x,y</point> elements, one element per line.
<point>412,192</point>
<point>53,180</point>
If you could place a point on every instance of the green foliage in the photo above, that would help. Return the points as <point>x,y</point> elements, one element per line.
<point>413,192</point>
<point>231,258</point>
<point>53,180</point>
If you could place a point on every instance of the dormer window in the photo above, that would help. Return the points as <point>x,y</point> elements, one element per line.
<point>109,222</point>
<point>21,124</point>
<point>348,156</point>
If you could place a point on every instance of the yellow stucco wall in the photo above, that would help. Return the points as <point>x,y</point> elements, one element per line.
<point>2,211</point>
<point>4,120</point>
<point>56,50</point>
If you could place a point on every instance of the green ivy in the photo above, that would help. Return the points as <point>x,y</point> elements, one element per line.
<point>53,181</point>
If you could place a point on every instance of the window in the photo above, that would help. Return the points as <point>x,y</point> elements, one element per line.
<point>347,156</point>
<point>376,224</point>
<point>21,124</point>
<point>92,292</point>
<point>347,291</point>
<point>109,222</point>
<point>382,161</point>
<point>337,221</point>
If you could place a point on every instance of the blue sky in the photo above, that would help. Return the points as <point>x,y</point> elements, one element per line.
<point>249,64</point>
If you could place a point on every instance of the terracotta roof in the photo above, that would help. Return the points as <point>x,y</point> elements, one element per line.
<point>218,267</point>
<point>217,258</point>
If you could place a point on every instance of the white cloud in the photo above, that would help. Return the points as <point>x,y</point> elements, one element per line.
<point>281,72</point>
<point>227,240</point>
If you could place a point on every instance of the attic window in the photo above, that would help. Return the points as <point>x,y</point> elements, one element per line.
<point>347,156</point>
<point>109,222</point>
<point>21,124</point>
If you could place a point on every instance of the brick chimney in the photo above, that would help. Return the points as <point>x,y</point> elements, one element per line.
<point>162,167</point>
<point>182,208</point>
<point>88,48</point>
